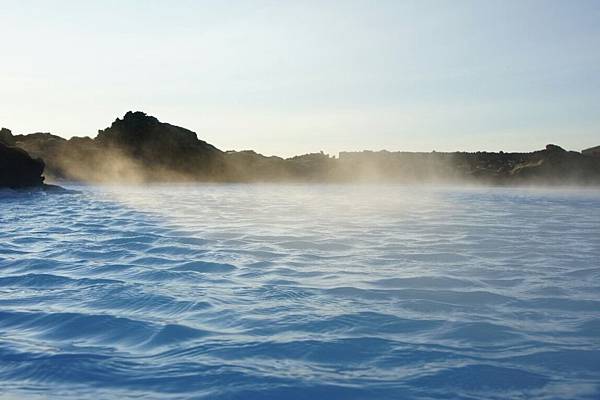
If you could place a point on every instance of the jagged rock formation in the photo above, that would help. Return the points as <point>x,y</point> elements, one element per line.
<point>592,151</point>
<point>140,148</point>
<point>137,148</point>
<point>161,147</point>
<point>556,165</point>
<point>18,169</point>
<point>249,166</point>
<point>6,137</point>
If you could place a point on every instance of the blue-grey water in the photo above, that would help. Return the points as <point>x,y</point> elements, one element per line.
<point>300,292</point>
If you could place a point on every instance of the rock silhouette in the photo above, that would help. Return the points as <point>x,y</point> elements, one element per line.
<point>6,137</point>
<point>161,146</point>
<point>136,148</point>
<point>18,169</point>
<point>140,148</point>
<point>556,165</point>
<point>592,151</point>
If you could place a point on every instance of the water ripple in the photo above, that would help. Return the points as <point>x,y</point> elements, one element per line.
<point>300,292</point>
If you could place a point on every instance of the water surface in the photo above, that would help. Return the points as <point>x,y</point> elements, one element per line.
<point>300,292</point>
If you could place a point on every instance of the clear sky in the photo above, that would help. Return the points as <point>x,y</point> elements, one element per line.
<point>291,77</point>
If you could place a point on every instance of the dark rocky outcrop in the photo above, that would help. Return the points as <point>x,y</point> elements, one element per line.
<point>18,169</point>
<point>166,149</point>
<point>140,148</point>
<point>556,165</point>
<point>136,148</point>
<point>249,166</point>
<point>592,151</point>
<point>6,137</point>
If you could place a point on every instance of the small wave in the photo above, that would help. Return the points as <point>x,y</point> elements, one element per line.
<point>174,334</point>
<point>204,267</point>
<point>424,282</point>
<point>104,329</point>
<point>479,333</point>
<point>473,298</point>
<point>49,281</point>
<point>482,378</point>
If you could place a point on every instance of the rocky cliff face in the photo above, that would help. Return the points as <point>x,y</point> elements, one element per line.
<point>556,165</point>
<point>136,148</point>
<point>6,137</point>
<point>163,146</point>
<point>18,169</point>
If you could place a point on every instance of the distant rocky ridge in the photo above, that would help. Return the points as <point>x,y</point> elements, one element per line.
<point>140,148</point>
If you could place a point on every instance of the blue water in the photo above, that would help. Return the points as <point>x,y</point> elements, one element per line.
<point>300,292</point>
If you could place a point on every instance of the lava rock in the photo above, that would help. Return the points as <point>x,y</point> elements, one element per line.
<point>6,137</point>
<point>18,169</point>
<point>160,146</point>
<point>555,165</point>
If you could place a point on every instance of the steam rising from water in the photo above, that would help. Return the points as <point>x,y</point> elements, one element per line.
<point>114,165</point>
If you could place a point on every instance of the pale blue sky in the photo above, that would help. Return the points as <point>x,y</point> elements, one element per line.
<point>290,77</point>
